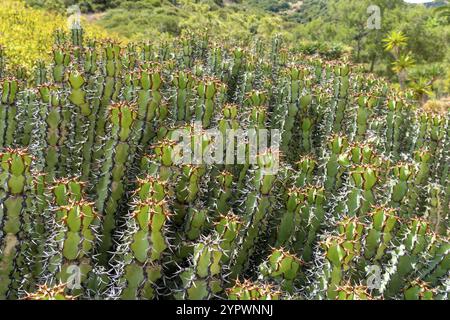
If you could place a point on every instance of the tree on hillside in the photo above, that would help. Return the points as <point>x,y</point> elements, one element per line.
<point>444,12</point>
<point>395,41</point>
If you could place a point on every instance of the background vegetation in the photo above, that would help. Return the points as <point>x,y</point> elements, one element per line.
<point>313,25</point>
<point>27,33</point>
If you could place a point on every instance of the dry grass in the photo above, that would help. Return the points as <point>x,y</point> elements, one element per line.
<point>439,106</point>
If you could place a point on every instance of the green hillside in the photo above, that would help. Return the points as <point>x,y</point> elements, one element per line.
<point>316,25</point>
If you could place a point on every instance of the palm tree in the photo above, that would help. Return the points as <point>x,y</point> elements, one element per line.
<point>394,42</point>
<point>422,89</point>
<point>400,67</point>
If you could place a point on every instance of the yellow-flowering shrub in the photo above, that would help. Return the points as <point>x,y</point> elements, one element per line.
<point>27,33</point>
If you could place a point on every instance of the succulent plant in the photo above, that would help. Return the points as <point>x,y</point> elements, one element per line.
<point>97,200</point>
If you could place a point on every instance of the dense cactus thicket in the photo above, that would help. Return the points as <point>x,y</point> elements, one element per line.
<point>94,205</point>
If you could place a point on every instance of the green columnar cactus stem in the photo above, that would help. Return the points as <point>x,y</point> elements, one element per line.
<point>305,170</point>
<point>406,255</point>
<point>77,35</point>
<point>333,269</point>
<point>205,107</point>
<point>256,209</point>
<point>61,59</point>
<point>311,224</point>
<point>187,190</point>
<point>9,88</point>
<point>275,50</point>
<point>419,290</point>
<point>443,167</point>
<point>350,230</point>
<point>196,221</point>
<point>394,121</point>
<point>187,176</point>
<point>112,85</point>
<point>53,151</point>
<point>437,134</point>
<point>284,54</point>
<point>339,116</point>
<point>422,158</point>
<point>77,97</point>
<point>380,232</point>
<point>248,77</point>
<point>228,227</point>
<point>307,120</point>
<point>361,195</point>
<point>421,124</point>
<point>164,51</point>
<point>438,266</point>
<point>130,84</point>
<point>28,106</point>
<point>160,163</point>
<point>147,51</point>
<point>40,76</point>
<point>319,69</point>
<point>63,195</point>
<point>256,102</point>
<point>38,209</point>
<point>16,181</point>
<point>403,173</point>
<point>362,153</point>
<point>247,290</point>
<point>222,193</point>
<point>435,212</point>
<point>283,267</point>
<point>291,220</point>
<point>20,73</point>
<point>422,174</point>
<point>90,60</point>
<point>202,45</point>
<point>342,83</point>
<point>238,64</point>
<point>94,90</point>
<point>187,50</point>
<point>340,253</point>
<point>229,121</point>
<point>295,75</point>
<point>363,114</point>
<point>110,187</point>
<point>65,190</point>
<point>322,119</point>
<point>73,242</point>
<point>183,82</point>
<point>60,37</point>
<point>143,243</point>
<point>151,110</point>
<point>215,58</point>
<point>130,56</point>
<point>203,279</point>
<point>336,159</point>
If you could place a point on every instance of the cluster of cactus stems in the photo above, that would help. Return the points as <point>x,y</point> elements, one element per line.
<point>248,290</point>
<point>43,292</point>
<point>16,229</point>
<point>95,202</point>
<point>144,241</point>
